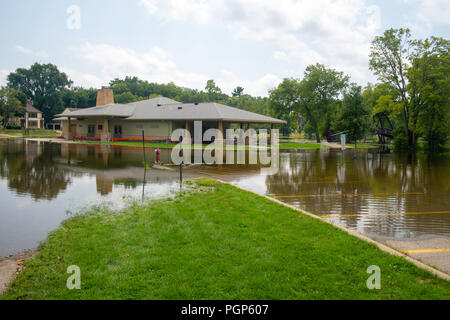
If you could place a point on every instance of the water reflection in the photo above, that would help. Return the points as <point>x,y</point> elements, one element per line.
<point>29,169</point>
<point>39,182</point>
<point>335,183</point>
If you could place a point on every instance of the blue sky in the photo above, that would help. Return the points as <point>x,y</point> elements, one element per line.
<point>254,44</point>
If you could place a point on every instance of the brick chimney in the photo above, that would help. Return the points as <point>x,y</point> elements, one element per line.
<point>105,96</point>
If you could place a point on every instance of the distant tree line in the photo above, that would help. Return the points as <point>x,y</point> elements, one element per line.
<point>51,91</point>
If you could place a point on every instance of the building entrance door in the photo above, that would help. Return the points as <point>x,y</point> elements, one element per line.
<point>91,131</point>
<point>117,131</point>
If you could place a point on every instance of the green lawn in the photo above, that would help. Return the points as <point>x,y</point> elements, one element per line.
<point>171,145</point>
<point>35,133</point>
<point>217,243</point>
<point>296,145</point>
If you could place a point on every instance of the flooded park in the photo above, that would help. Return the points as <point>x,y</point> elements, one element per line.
<point>396,198</point>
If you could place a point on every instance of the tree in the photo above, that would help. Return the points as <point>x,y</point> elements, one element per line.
<point>237,92</point>
<point>78,97</point>
<point>213,90</point>
<point>429,90</point>
<point>11,104</point>
<point>319,92</point>
<point>388,59</point>
<point>43,85</point>
<point>381,99</point>
<point>126,97</point>
<point>354,118</point>
<point>314,98</point>
<point>284,102</point>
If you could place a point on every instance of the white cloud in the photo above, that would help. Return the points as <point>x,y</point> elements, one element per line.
<point>3,74</point>
<point>428,13</point>
<point>334,32</point>
<point>84,79</point>
<point>32,53</point>
<point>227,81</point>
<point>156,65</point>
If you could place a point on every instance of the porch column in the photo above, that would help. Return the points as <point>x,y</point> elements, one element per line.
<point>104,137</point>
<point>187,127</point>
<point>221,131</point>
<point>247,137</point>
<point>67,129</point>
<point>269,137</point>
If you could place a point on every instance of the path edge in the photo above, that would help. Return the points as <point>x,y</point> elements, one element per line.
<point>380,245</point>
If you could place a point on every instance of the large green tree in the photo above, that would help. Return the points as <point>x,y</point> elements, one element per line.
<point>77,97</point>
<point>238,91</point>
<point>429,90</point>
<point>284,102</point>
<point>389,58</point>
<point>381,99</point>
<point>354,118</point>
<point>43,85</point>
<point>11,104</point>
<point>320,90</point>
<point>314,97</point>
<point>214,92</point>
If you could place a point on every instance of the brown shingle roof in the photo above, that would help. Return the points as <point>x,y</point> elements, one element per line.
<point>30,109</point>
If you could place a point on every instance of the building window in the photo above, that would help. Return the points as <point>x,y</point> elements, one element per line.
<point>32,115</point>
<point>155,126</point>
<point>32,124</point>
<point>100,127</point>
<point>139,126</point>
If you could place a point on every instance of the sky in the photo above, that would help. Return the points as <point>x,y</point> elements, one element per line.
<point>248,43</point>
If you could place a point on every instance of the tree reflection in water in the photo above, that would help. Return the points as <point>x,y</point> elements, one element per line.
<point>29,168</point>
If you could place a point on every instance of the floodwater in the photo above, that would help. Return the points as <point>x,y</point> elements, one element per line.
<point>376,193</point>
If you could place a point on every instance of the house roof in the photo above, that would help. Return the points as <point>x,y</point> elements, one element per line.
<point>168,109</point>
<point>29,108</point>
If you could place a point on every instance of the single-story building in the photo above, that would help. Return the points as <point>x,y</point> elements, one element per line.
<point>32,118</point>
<point>56,124</point>
<point>157,117</point>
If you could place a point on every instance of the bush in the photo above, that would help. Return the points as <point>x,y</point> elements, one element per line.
<point>400,139</point>
<point>13,126</point>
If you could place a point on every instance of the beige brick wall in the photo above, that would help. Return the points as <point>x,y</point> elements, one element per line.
<point>105,96</point>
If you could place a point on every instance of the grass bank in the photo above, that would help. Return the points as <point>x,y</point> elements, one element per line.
<point>171,145</point>
<point>217,243</point>
<point>35,133</point>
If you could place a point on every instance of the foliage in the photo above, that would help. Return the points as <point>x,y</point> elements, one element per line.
<point>354,118</point>
<point>314,97</point>
<point>284,102</point>
<point>77,97</point>
<point>11,104</point>
<point>429,90</point>
<point>237,92</point>
<point>43,85</point>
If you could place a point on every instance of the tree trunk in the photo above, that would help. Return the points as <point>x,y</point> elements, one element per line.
<point>317,133</point>
<point>313,121</point>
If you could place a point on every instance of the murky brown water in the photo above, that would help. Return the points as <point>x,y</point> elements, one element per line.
<point>381,194</point>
